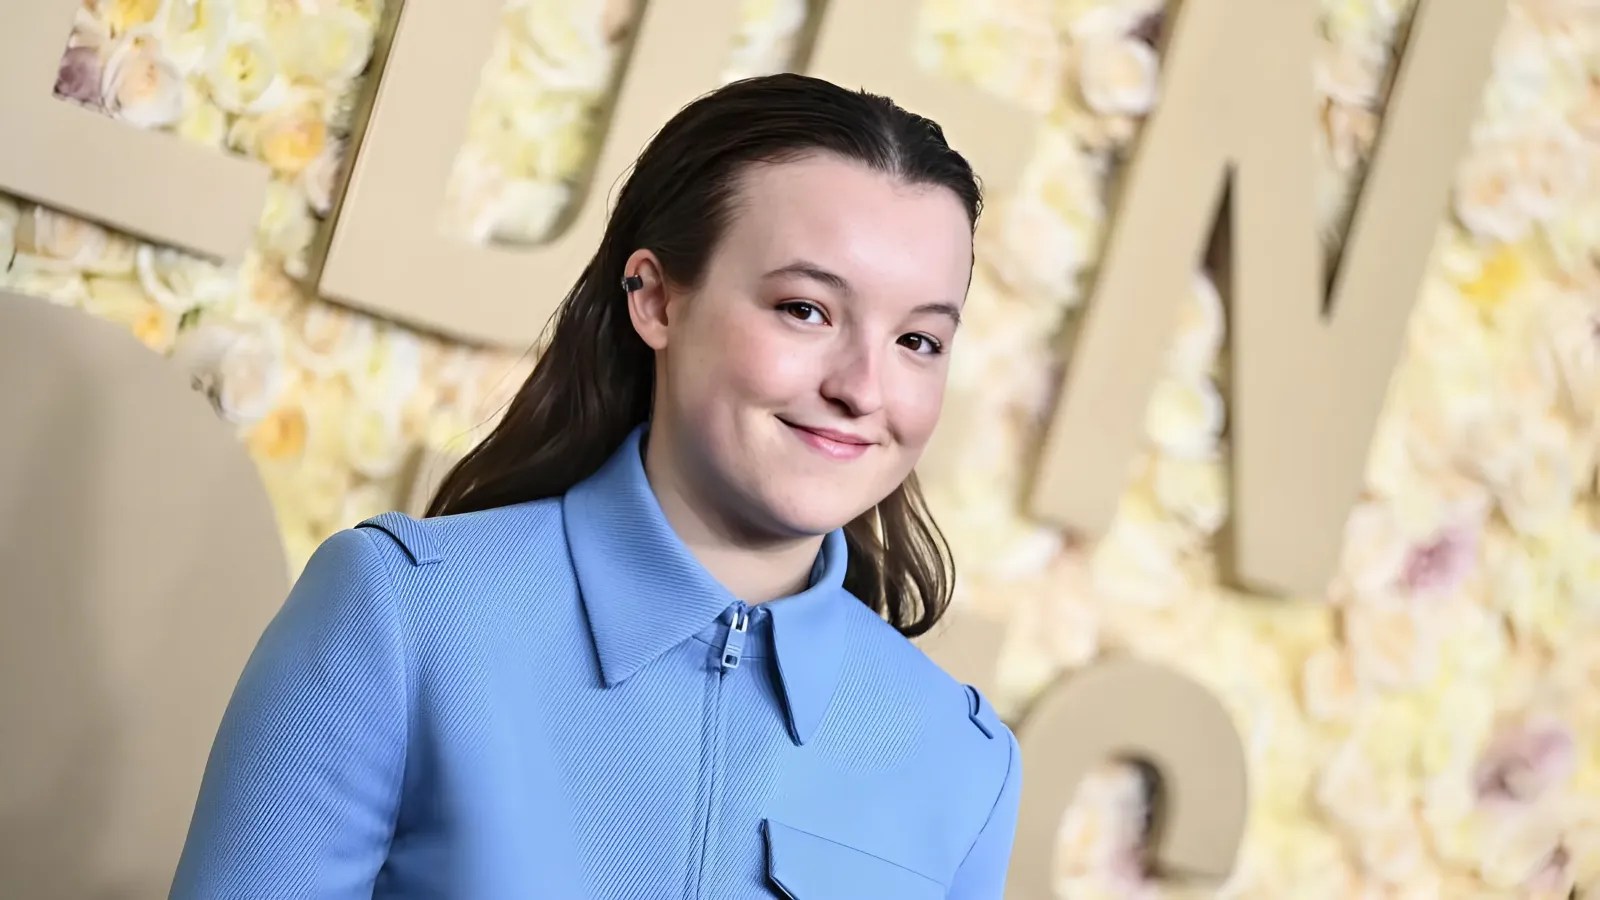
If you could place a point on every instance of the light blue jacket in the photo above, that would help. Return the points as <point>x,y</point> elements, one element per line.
<point>550,701</point>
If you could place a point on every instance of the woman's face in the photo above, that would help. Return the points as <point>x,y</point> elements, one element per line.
<point>799,383</point>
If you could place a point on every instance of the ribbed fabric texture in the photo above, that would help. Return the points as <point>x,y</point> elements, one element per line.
<point>531,702</point>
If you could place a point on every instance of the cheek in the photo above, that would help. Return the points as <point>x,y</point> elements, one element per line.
<point>747,361</point>
<point>914,408</point>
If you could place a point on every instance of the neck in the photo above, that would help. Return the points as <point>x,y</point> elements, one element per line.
<point>753,568</point>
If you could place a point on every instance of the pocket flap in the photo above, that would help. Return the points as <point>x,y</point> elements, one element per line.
<point>808,867</point>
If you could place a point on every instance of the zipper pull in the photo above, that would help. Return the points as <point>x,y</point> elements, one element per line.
<point>733,647</point>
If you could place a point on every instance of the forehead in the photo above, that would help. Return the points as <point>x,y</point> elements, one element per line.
<point>887,238</point>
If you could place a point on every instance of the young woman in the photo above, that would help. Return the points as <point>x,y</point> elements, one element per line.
<point>651,641</point>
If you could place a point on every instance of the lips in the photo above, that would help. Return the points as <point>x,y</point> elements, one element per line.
<point>839,445</point>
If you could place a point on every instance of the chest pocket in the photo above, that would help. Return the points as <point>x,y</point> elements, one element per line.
<point>804,866</point>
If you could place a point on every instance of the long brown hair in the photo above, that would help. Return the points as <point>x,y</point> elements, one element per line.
<point>594,381</point>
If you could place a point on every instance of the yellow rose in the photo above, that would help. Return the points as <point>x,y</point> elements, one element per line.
<point>140,85</point>
<point>266,292</point>
<point>121,16</point>
<point>389,373</point>
<point>122,301</point>
<point>280,437</point>
<point>328,339</point>
<point>288,138</point>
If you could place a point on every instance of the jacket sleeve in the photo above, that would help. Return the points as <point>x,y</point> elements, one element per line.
<point>982,875</point>
<point>303,782</point>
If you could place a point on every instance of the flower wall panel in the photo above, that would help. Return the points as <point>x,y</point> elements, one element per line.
<point>1428,728</point>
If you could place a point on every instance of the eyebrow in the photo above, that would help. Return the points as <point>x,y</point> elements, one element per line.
<point>840,285</point>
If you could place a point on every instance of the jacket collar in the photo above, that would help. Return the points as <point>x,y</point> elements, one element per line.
<point>645,593</point>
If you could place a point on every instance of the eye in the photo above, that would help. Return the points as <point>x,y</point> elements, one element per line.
<point>921,343</point>
<point>809,313</point>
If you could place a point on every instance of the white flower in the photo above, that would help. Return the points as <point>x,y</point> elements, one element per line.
<point>321,177</point>
<point>374,442</point>
<point>180,282</point>
<point>1541,483</point>
<point>528,210</point>
<point>1202,325</point>
<point>1350,72</point>
<point>193,28</point>
<point>1119,77</point>
<point>1185,417</point>
<point>287,226</point>
<point>327,47</point>
<point>1486,197</point>
<point>330,340</point>
<point>767,29</point>
<point>60,242</point>
<point>141,86</point>
<point>1196,490</point>
<point>563,44</point>
<point>1391,644</point>
<point>201,122</point>
<point>241,369</point>
<point>391,371</point>
<point>243,73</point>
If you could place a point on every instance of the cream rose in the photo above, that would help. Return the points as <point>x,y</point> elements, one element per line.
<point>328,340</point>
<point>193,28</point>
<point>140,85</point>
<point>243,74</point>
<point>1202,325</point>
<point>387,376</point>
<point>1196,490</point>
<point>179,282</point>
<point>1185,417</point>
<point>1119,77</point>
<point>1391,644</point>
<point>374,442</point>
<point>563,45</point>
<point>287,227</point>
<point>1487,198</point>
<point>765,40</point>
<point>528,210</point>
<point>321,177</point>
<point>329,46</point>
<point>202,122</point>
<point>61,242</point>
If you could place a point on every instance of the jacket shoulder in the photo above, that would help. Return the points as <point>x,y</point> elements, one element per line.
<point>466,536</point>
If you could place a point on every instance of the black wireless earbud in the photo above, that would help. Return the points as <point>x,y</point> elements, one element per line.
<point>631,283</point>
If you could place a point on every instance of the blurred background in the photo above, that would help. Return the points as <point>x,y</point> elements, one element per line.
<point>1428,726</point>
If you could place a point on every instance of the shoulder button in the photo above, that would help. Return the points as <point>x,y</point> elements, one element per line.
<point>981,713</point>
<point>411,534</point>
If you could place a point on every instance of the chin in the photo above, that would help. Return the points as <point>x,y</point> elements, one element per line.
<point>807,513</point>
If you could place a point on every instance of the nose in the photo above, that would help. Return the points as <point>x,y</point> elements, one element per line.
<point>854,382</point>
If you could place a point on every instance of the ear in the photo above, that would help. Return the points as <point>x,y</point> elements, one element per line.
<point>647,303</point>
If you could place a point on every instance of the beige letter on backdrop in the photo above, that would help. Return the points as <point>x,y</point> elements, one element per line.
<point>1123,709</point>
<point>1307,387</point>
<point>387,253</point>
<point>151,185</point>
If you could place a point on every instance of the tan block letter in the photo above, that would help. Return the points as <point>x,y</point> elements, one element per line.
<point>387,254</point>
<point>1307,386</point>
<point>151,185</point>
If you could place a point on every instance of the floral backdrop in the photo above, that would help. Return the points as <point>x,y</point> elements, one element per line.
<point>1425,728</point>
